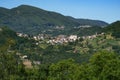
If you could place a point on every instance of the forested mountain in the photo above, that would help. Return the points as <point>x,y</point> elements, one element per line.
<point>114,29</point>
<point>32,20</point>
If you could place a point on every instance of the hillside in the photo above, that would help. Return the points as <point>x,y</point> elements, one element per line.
<point>86,31</point>
<point>33,20</point>
<point>80,50</point>
<point>89,22</point>
<point>10,41</point>
<point>113,28</point>
<point>7,38</point>
<point>22,59</point>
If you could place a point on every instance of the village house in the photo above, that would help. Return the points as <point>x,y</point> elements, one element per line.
<point>22,35</point>
<point>85,26</point>
<point>72,38</point>
<point>59,27</point>
<point>0,29</point>
<point>41,37</point>
<point>58,40</point>
<point>27,63</point>
<point>36,62</point>
<point>24,57</point>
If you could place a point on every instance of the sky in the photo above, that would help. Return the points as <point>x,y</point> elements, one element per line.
<point>106,10</point>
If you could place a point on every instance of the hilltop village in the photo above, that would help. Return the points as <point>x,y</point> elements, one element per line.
<point>60,39</point>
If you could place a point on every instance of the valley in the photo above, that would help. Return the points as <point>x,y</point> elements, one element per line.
<point>36,44</point>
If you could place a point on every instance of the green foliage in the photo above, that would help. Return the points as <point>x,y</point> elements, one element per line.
<point>10,66</point>
<point>83,31</point>
<point>102,66</point>
<point>68,61</point>
<point>63,70</point>
<point>7,38</point>
<point>43,71</point>
<point>113,28</point>
<point>105,66</point>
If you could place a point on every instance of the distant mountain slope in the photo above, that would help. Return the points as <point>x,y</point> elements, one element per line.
<point>86,31</point>
<point>32,20</point>
<point>92,22</point>
<point>113,28</point>
<point>89,22</point>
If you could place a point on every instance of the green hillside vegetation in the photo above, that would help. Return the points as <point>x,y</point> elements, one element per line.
<point>32,20</point>
<point>101,66</point>
<point>114,29</point>
<point>10,42</point>
<point>86,31</point>
<point>80,50</point>
<point>82,31</point>
<point>7,38</point>
<point>84,59</point>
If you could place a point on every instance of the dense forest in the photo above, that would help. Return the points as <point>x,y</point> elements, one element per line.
<point>102,65</point>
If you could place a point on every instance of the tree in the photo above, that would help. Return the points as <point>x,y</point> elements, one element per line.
<point>63,70</point>
<point>105,65</point>
<point>10,66</point>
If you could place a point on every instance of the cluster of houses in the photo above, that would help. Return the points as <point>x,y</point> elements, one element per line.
<point>37,37</point>
<point>63,39</point>
<point>60,39</point>
<point>83,26</point>
<point>0,29</point>
<point>41,37</point>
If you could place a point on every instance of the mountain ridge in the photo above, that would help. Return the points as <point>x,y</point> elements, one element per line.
<point>91,22</point>
<point>33,20</point>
